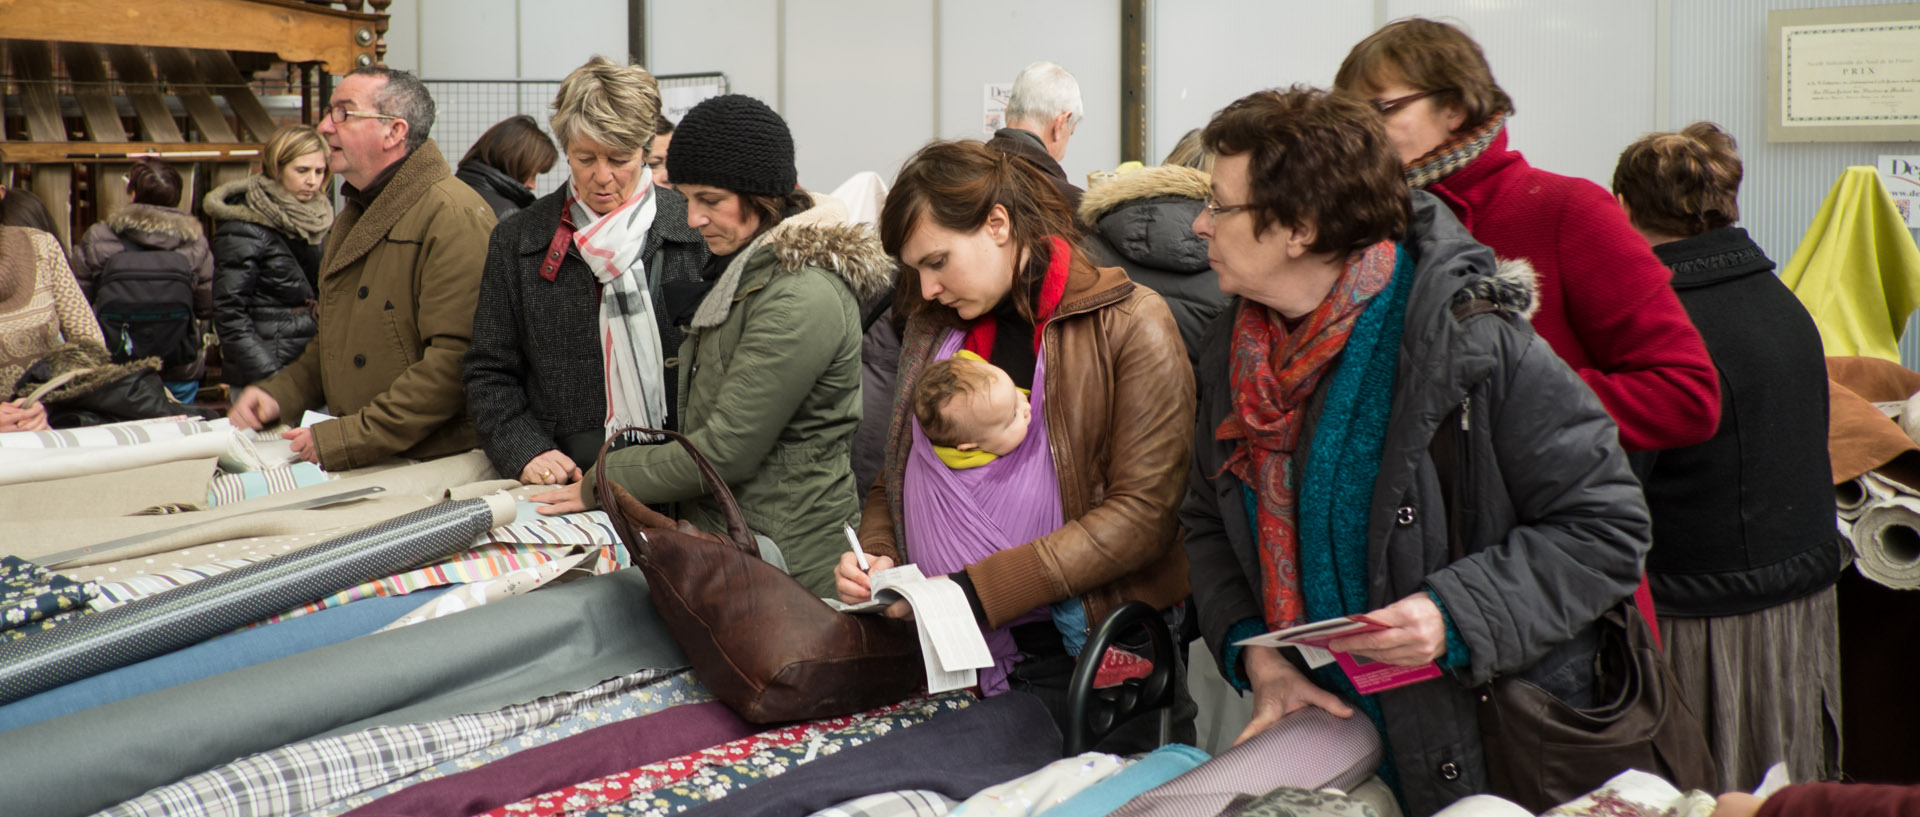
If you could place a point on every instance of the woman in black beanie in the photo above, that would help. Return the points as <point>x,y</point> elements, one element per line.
<point>770,370</point>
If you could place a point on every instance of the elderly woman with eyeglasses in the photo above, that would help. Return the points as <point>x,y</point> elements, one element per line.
<point>1368,332</point>
<point>1605,306</point>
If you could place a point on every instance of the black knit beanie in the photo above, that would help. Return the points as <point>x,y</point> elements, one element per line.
<point>736,143</point>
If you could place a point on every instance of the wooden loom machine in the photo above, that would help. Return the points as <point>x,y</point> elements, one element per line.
<point>92,84</point>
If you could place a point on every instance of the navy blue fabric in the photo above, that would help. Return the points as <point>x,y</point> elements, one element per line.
<point>209,658</point>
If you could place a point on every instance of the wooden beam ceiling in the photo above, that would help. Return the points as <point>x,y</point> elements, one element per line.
<point>295,31</point>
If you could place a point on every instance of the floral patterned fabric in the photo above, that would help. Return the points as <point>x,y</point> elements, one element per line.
<point>33,598</point>
<point>675,785</point>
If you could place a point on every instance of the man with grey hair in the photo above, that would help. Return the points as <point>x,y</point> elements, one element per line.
<point>1042,113</point>
<point>398,280</point>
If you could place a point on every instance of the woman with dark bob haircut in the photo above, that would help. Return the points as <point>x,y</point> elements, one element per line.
<point>1366,328</point>
<point>1084,509</point>
<point>504,162</point>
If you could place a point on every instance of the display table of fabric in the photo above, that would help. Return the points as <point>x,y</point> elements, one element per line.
<point>677,784</point>
<point>955,755</point>
<point>207,659</point>
<point>167,621</point>
<point>562,639</point>
<point>380,494</point>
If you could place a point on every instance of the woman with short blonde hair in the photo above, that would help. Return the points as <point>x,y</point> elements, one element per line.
<point>585,291</point>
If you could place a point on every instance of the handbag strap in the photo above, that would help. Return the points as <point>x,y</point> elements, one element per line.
<point>737,531</point>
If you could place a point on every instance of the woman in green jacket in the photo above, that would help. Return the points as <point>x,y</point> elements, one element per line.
<point>770,370</point>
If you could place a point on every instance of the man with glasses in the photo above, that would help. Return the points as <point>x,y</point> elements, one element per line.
<point>398,280</point>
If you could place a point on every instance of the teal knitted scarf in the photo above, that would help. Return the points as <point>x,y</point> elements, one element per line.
<point>1336,489</point>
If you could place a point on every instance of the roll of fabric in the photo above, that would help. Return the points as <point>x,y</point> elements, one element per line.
<point>158,624</point>
<point>1309,749</point>
<point>1854,497</point>
<point>1851,498</point>
<point>1886,541</point>
<point>236,453</point>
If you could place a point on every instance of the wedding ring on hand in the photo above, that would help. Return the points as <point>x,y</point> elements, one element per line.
<point>546,475</point>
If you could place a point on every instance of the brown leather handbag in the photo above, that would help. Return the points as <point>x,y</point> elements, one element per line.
<point>1539,751</point>
<point>761,642</point>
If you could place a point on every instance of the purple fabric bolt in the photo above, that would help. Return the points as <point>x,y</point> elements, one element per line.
<point>589,755</point>
<point>957,517</point>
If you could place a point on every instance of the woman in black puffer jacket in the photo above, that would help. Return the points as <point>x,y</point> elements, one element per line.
<point>266,252</point>
<point>1143,222</point>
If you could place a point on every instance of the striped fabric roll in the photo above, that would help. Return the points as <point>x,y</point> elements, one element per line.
<point>107,436</point>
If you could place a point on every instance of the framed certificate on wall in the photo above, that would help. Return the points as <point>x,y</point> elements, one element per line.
<point>1844,74</point>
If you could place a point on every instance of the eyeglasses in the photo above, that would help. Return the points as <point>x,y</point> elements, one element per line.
<point>1387,106</point>
<point>339,114</point>
<point>1215,210</point>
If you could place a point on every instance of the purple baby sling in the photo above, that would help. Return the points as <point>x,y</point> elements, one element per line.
<point>957,517</point>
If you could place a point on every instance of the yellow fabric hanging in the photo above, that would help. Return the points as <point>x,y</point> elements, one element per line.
<point>1857,270</point>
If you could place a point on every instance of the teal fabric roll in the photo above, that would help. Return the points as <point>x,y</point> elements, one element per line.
<point>1150,772</point>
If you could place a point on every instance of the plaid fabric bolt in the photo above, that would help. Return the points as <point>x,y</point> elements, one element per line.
<point>304,776</point>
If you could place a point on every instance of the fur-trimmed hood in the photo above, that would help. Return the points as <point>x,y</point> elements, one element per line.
<point>1513,286</point>
<point>1146,183</point>
<point>821,236</point>
<point>91,365</point>
<point>1146,217</point>
<point>162,228</point>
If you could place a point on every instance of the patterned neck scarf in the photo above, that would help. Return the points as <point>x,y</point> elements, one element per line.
<point>1454,153</point>
<point>1274,373</point>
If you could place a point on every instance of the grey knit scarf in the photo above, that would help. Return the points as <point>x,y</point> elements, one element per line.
<point>278,208</point>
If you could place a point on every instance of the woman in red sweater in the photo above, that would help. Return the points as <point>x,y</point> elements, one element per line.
<point>1605,303</point>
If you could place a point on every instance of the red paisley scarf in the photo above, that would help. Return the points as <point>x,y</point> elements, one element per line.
<point>980,335</point>
<point>1274,372</point>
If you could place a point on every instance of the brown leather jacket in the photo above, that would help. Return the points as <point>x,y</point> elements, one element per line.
<point>1119,415</point>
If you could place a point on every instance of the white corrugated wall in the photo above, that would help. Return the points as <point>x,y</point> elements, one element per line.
<point>1719,73</point>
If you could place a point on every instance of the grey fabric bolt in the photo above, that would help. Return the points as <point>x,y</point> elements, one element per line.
<point>164,622</point>
<point>561,639</point>
<point>1309,749</point>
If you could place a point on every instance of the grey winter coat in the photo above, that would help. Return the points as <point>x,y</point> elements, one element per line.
<point>1556,528</point>
<point>1143,222</point>
<point>535,376</point>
